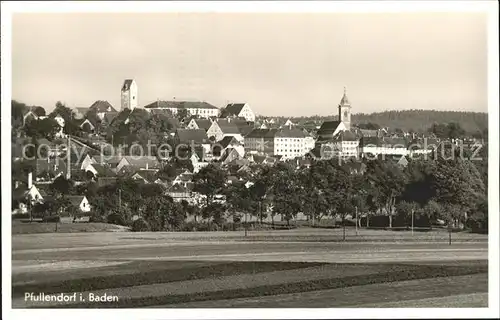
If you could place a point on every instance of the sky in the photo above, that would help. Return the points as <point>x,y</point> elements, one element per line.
<point>288,64</point>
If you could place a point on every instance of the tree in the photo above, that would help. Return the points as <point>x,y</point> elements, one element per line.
<point>405,211</point>
<point>209,181</point>
<point>44,128</point>
<point>390,180</point>
<point>62,186</point>
<point>183,114</point>
<point>39,111</point>
<point>18,110</point>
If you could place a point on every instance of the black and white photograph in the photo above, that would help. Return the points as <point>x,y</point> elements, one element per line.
<point>245,160</point>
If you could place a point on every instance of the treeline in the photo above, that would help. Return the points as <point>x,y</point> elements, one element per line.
<point>409,120</point>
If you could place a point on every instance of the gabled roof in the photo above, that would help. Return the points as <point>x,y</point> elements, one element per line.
<point>148,175</point>
<point>287,132</point>
<point>103,170</point>
<point>328,127</point>
<point>228,127</point>
<point>195,135</point>
<point>101,106</point>
<point>111,160</point>
<point>161,104</point>
<point>203,123</point>
<point>82,110</point>
<point>368,133</point>
<point>177,188</point>
<point>229,153</point>
<point>233,109</point>
<point>126,84</point>
<point>396,142</point>
<point>110,116</point>
<point>347,136</point>
<point>370,141</point>
<point>262,133</point>
<point>143,161</point>
<point>226,141</point>
<point>75,200</point>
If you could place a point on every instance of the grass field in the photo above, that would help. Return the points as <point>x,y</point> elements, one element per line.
<point>301,268</point>
<point>19,227</point>
<point>256,284</point>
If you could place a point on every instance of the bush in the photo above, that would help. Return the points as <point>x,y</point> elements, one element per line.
<point>140,225</point>
<point>98,218</point>
<point>115,218</point>
<point>18,216</point>
<point>51,219</point>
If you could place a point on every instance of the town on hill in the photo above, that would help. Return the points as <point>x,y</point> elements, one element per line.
<point>189,165</point>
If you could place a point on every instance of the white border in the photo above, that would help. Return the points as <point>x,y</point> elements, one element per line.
<point>490,7</point>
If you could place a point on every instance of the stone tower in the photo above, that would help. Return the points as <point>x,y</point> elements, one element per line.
<point>129,95</point>
<point>345,111</point>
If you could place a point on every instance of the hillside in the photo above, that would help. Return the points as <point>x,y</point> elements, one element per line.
<point>423,119</point>
<point>418,120</point>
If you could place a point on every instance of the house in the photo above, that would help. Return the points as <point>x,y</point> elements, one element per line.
<point>183,178</point>
<point>198,162</point>
<point>383,146</point>
<point>99,170</point>
<point>29,116</point>
<point>201,109</point>
<point>288,123</point>
<point>179,192</point>
<point>140,162</point>
<point>24,194</point>
<point>238,110</point>
<point>49,169</point>
<point>229,142</point>
<point>111,161</point>
<point>289,142</point>
<point>191,136</point>
<point>80,202</point>
<point>86,161</point>
<point>221,128</point>
<point>87,126</point>
<point>108,118</point>
<point>260,141</point>
<point>129,95</point>
<point>199,124</point>
<point>330,129</point>
<point>145,176</point>
<point>189,139</point>
<point>229,155</point>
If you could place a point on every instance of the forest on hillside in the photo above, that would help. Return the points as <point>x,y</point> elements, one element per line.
<point>411,120</point>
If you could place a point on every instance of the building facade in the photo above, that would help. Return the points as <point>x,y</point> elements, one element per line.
<point>129,92</point>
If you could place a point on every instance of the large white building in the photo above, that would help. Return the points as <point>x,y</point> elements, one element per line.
<point>287,142</point>
<point>201,109</point>
<point>129,95</point>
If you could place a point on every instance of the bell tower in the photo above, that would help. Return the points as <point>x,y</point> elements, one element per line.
<point>345,111</point>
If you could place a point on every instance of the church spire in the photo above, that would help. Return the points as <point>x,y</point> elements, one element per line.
<point>345,100</point>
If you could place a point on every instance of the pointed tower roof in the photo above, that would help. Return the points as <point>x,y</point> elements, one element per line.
<point>345,100</point>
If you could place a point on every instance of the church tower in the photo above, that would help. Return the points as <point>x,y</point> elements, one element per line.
<point>345,111</point>
<point>129,95</point>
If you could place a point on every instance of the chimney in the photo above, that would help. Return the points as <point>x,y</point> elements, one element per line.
<point>30,180</point>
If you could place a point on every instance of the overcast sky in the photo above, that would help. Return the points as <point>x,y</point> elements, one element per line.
<point>281,64</point>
